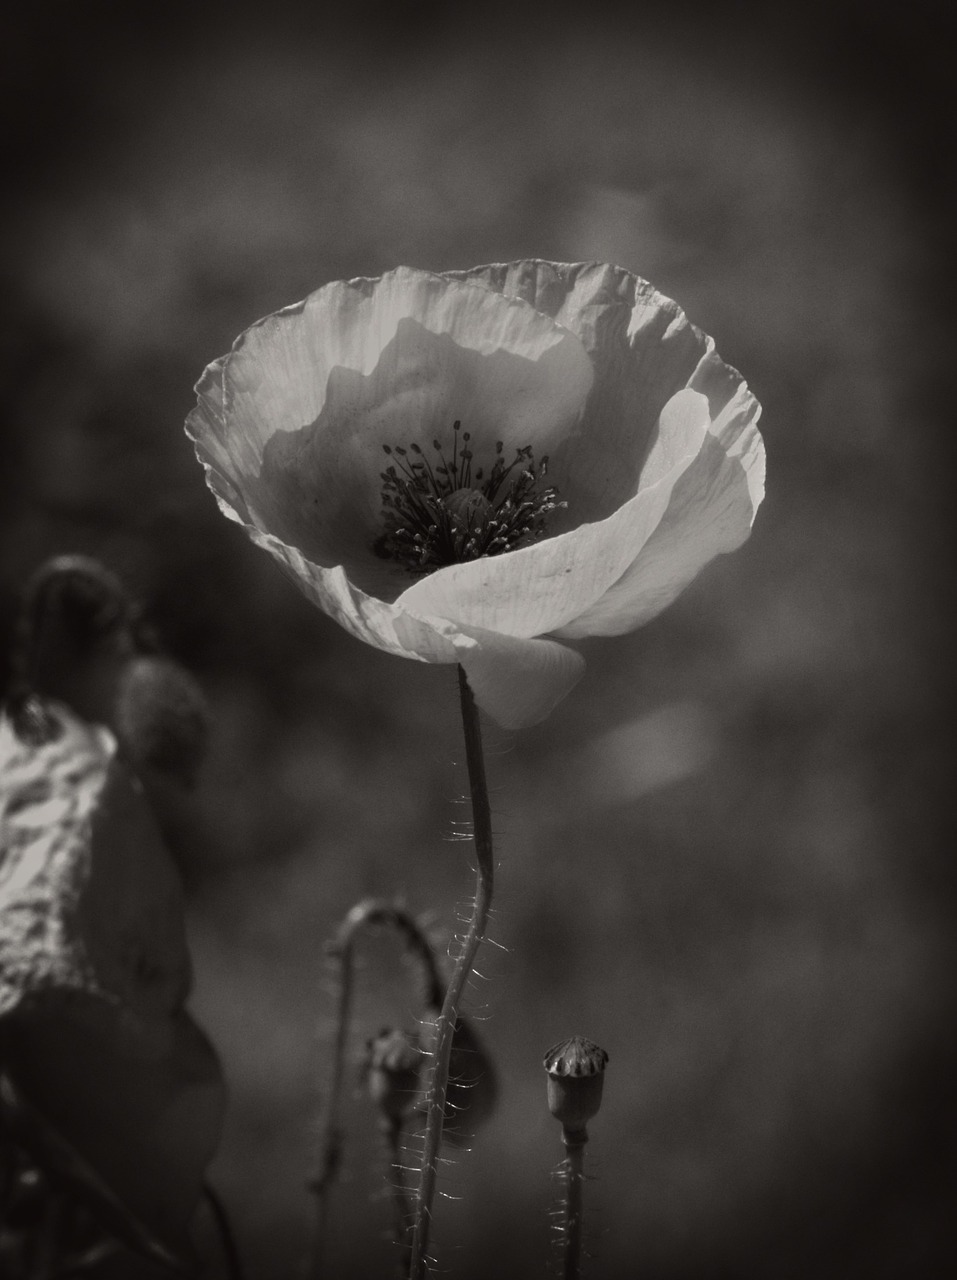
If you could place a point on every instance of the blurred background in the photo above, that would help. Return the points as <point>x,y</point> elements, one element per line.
<point>725,857</point>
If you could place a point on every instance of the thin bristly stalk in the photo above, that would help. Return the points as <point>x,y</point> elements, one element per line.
<point>331,1142</point>
<point>370,912</point>
<point>401,1203</point>
<point>576,1077</point>
<point>574,1177</point>
<point>445,1026</point>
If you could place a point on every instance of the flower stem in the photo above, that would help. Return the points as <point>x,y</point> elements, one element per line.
<point>400,1198</point>
<point>574,1177</point>
<point>368,913</point>
<point>445,1026</point>
<point>331,1152</point>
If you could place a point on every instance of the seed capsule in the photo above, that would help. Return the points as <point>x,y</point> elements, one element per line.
<point>576,1075</point>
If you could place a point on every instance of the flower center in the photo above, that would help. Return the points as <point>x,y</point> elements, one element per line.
<point>438,511</point>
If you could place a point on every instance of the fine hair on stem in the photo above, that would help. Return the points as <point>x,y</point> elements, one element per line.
<point>448,1017</point>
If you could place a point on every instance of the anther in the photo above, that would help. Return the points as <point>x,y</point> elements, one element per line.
<point>445,515</point>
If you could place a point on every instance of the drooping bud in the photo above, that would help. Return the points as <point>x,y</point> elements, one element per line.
<point>393,1064</point>
<point>576,1074</point>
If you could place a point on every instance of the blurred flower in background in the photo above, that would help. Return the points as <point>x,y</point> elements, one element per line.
<point>109,1086</point>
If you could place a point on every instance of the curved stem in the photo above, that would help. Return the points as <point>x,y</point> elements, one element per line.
<point>574,1177</point>
<point>445,1026</point>
<point>370,912</point>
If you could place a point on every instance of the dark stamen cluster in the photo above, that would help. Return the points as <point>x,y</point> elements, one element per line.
<point>438,512</point>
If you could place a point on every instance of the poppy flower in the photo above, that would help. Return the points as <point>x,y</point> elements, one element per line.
<point>473,467</point>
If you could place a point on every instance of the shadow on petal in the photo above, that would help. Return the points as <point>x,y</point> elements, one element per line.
<point>320,487</point>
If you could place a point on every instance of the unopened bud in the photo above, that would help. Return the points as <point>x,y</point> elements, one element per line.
<point>393,1063</point>
<point>576,1074</point>
<point>75,629</point>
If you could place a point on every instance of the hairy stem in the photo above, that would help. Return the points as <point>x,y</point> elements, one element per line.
<point>368,913</point>
<point>574,1177</point>
<point>400,1197</point>
<point>445,1026</point>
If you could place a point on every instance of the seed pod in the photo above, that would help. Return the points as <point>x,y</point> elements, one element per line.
<point>576,1074</point>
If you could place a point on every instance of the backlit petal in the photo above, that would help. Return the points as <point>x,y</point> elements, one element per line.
<point>520,682</point>
<point>517,681</point>
<point>643,349</point>
<point>711,511</point>
<point>543,587</point>
<point>218,451</point>
<point>293,437</point>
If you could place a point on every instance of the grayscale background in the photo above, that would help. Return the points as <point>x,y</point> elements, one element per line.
<point>726,856</point>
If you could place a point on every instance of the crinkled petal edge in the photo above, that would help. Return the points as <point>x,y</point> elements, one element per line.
<point>517,681</point>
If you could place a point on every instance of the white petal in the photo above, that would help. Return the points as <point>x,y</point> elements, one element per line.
<point>644,350</point>
<point>540,588</point>
<point>516,681</point>
<point>206,427</point>
<point>277,376</point>
<point>520,682</point>
<point>711,511</point>
<point>292,424</point>
<point>363,616</point>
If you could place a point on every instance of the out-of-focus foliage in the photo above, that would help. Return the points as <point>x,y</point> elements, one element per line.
<point>723,857</point>
<point>110,1078</point>
<point>112,1097</point>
